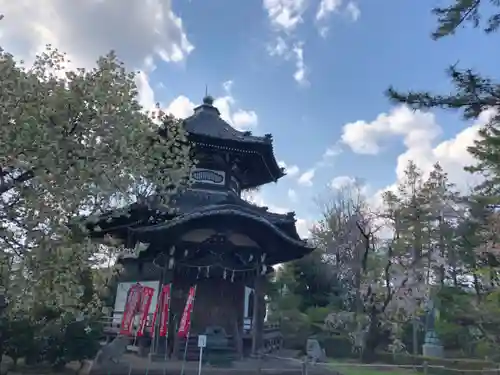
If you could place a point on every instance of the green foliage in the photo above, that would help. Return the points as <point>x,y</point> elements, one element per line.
<point>296,329</point>
<point>337,346</point>
<point>19,337</point>
<point>73,142</point>
<point>474,94</point>
<point>461,11</point>
<point>70,341</point>
<point>311,278</point>
<point>53,339</point>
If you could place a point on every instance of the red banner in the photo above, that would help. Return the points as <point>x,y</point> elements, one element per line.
<point>163,308</point>
<point>147,296</point>
<point>165,311</point>
<point>159,303</point>
<point>185,323</point>
<point>131,307</point>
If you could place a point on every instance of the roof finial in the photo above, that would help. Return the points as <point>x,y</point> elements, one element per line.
<point>207,100</point>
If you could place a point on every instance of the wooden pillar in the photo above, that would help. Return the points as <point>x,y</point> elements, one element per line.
<point>238,338</point>
<point>258,314</point>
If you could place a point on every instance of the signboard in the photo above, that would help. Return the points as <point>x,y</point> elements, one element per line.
<point>121,298</point>
<point>123,288</point>
<point>202,341</point>
<point>208,176</point>
<point>134,296</point>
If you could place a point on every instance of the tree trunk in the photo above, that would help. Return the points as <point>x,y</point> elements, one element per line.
<point>3,306</point>
<point>371,342</point>
<point>415,336</point>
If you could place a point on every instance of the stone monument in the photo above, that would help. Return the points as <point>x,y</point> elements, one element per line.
<point>314,351</point>
<point>432,345</point>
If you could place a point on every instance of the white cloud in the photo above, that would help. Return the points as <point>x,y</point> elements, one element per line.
<point>326,7</point>
<point>416,128</point>
<point>303,227</point>
<point>146,94</point>
<point>290,170</point>
<point>340,182</point>
<point>136,30</point>
<point>307,177</point>
<point>244,120</point>
<point>300,67</point>
<point>228,85</point>
<point>279,48</point>
<point>353,11</point>
<point>256,198</point>
<point>332,151</point>
<point>285,14</point>
<point>451,154</point>
<point>291,51</point>
<point>292,195</point>
<point>182,107</point>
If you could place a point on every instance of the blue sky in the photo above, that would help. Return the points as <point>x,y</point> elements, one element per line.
<point>347,72</point>
<point>313,78</point>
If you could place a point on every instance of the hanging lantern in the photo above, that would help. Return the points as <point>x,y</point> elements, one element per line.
<point>263,269</point>
<point>208,271</point>
<point>172,250</point>
<point>232,277</point>
<point>250,258</point>
<point>186,252</point>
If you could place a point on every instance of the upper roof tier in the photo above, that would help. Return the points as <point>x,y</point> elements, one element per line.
<point>252,155</point>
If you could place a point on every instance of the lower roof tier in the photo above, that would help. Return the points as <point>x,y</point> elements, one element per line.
<point>224,213</point>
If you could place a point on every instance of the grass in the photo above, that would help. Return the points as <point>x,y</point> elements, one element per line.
<point>347,368</point>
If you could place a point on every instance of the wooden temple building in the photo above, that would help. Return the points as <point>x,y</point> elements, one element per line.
<point>213,239</point>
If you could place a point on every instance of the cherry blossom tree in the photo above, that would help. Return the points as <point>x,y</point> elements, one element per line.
<point>393,272</point>
<point>74,142</point>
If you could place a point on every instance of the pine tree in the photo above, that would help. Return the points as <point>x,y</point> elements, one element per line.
<point>474,94</point>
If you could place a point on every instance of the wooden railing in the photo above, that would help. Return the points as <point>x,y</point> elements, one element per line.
<point>113,324</point>
<point>271,335</point>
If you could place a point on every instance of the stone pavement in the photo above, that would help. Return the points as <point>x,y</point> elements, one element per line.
<point>267,366</point>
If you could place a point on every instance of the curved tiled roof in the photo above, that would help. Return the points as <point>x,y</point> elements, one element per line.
<point>190,201</point>
<point>206,121</point>
<point>213,212</point>
<point>207,129</point>
<point>224,209</point>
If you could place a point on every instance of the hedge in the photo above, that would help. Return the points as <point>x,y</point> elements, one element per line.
<point>449,365</point>
<point>339,347</point>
